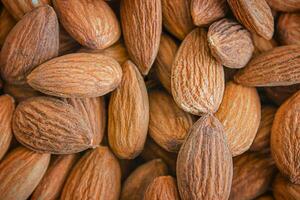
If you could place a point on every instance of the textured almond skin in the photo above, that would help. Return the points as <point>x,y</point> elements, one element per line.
<point>20,173</point>
<point>7,107</point>
<point>278,67</point>
<point>252,175</point>
<point>32,41</point>
<point>228,40</point>
<point>20,92</point>
<point>281,93</point>
<point>204,163</point>
<point>263,135</point>
<point>284,142</point>
<point>136,184</point>
<point>92,75</point>
<point>288,27</point>
<point>92,23</point>
<point>53,181</point>
<point>168,125</point>
<point>177,18</point>
<point>97,175</point>
<point>45,124</point>
<point>164,60</point>
<point>255,15</point>
<point>285,5</point>
<point>206,12</point>
<point>197,78</point>
<point>240,114</point>
<point>66,43</point>
<point>284,189</point>
<point>261,44</point>
<point>7,22</point>
<point>162,188</point>
<point>142,19</point>
<point>128,115</point>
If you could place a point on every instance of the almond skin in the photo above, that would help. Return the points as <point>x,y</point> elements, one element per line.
<point>7,107</point>
<point>20,92</point>
<point>255,15</point>
<point>20,173</point>
<point>278,67</point>
<point>196,75</point>
<point>7,22</point>
<point>227,41</point>
<point>93,75</point>
<point>92,23</point>
<point>142,20</point>
<point>284,142</point>
<point>45,124</point>
<point>284,189</point>
<point>205,151</point>
<point>128,115</point>
<point>32,41</point>
<point>288,28</point>
<point>285,5</point>
<point>240,114</point>
<point>162,188</point>
<point>262,45</point>
<point>97,175</point>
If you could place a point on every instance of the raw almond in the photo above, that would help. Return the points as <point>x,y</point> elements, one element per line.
<point>204,164</point>
<point>45,124</point>
<point>128,114</point>
<point>197,78</point>
<point>285,5</point>
<point>284,189</point>
<point>20,92</point>
<point>142,25</point>
<point>7,22</point>
<point>261,44</point>
<point>288,28</point>
<point>92,75</point>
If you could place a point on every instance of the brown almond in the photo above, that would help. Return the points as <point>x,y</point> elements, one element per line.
<point>278,67</point>
<point>197,78</point>
<point>7,22</point>
<point>66,43</point>
<point>20,92</point>
<point>142,26</point>
<point>32,41</point>
<point>97,175</point>
<point>284,189</point>
<point>262,45</point>
<point>240,114</point>
<point>92,23</point>
<point>288,28</point>
<point>137,183</point>
<point>204,163</point>
<point>45,124</point>
<point>93,75</point>
<point>284,138</point>
<point>128,114</point>
<point>265,197</point>
<point>20,173</point>
<point>285,5</point>
<point>162,188</point>
<point>280,94</point>
<point>255,15</point>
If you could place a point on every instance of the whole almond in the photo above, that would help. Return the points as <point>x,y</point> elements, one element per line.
<point>66,43</point>
<point>197,78</point>
<point>280,94</point>
<point>206,12</point>
<point>255,15</point>
<point>288,28</point>
<point>32,41</point>
<point>284,189</point>
<point>128,114</point>
<point>168,125</point>
<point>162,188</point>
<point>285,5</point>
<point>7,107</point>
<point>92,75</point>
<point>20,173</point>
<point>277,67</point>
<point>7,22</point>
<point>92,23</point>
<point>228,40</point>
<point>261,44</point>
<point>204,164</point>
<point>284,142</point>
<point>20,92</point>
<point>45,124</point>
<point>142,25</point>
<point>240,114</point>
<point>97,175</point>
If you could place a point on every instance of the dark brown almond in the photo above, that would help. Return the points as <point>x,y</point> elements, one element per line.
<point>281,93</point>
<point>288,28</point>
<point>285,5</point>
<point>66,43</point>
<point>20,92</point>
<point>284,189</point>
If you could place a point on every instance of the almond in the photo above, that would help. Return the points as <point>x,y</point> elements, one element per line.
<point>204,164</point>
<point>45,124</point>
<point>66,43</point>
<point>285,5</point>
<point>128,114</point>
<point>284,141</point>
<point>32,41</point>
<point>262,45</point>
<point>240,114</point>
<point>288,28</point>
<point>7,22</point>
<point>20,92</point>
<point>228,40</point>
<point>284,189</point>
<point>255,15</point>
<point>20,173</point>
<point>281,93</point>
<point>97,175</point>
<point>142,20</point>
<point>92,75</point>
<point>197,78</point>
<point>265,197</point>
<point>92,23</point>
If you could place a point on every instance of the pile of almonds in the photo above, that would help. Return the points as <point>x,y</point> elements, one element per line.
<point>150,100</point>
